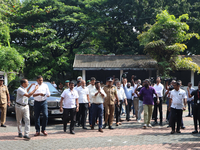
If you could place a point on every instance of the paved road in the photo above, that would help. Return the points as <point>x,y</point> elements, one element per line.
<point>129,135</point>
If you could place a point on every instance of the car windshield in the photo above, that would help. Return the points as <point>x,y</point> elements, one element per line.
<point>52,89</point>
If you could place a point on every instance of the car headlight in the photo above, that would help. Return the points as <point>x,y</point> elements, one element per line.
<point>31,102</point>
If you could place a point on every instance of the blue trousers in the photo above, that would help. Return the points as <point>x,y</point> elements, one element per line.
<point>90,114</point>
<point>40,107</point>
<point>190,105</point>
<point>97,110</point>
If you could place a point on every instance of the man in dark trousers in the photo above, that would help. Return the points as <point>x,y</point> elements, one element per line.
<point>177,98</point>
<point>196,107</point>
<point>69,101</point>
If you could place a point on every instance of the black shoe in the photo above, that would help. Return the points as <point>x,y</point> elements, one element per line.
<point>168,126</point>
<point>178,131</point>
<point>104,126</point>
<point>72,132</point>
<point>27,137</point>
<point>188,116</point>
<point>172,132</point>
<point>155,123</point>
<point>2,125</point>
<point>110,127</point>
<point>64,130</point>
<point>182,127</point>
<point>128,119</point>
<point>20,135</point>
<point>194,132</point>
<point>160,124</point>
<point>85,128</point>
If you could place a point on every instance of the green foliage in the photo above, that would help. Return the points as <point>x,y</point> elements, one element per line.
<point>163,40</point>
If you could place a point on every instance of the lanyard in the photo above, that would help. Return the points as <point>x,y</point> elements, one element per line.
<point>198,94</point>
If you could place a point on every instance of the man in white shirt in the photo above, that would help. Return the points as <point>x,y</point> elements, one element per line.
<point>98,96</point>
<point>40,105</point>
<point>159,90</point>
<point>178,100</point>
<point>91,87</point>
<point>122,98</point>
<point>54,84</point>
<point>190,101</point>
<point>84,103</point>
<point>69,100</point>
<point>22,108</point>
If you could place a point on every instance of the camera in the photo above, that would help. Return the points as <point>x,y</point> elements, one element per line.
<point>124,75</point>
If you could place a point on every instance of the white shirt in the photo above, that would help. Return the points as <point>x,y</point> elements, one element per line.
<point>97,99</point>
<point>134,87</point>
<point>44,89</point>
<point>21,99</point>
<point>91,87</point>
<point>177,98</point>
<point>70,97</point>
<point>159,89</point>
<point>121,94</point>
<point>82,92</point>
<point>55,85</point>
<point>190,99</point>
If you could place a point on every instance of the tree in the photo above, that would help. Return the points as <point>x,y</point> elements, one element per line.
<point>163,41</point>
<point>11,60</point>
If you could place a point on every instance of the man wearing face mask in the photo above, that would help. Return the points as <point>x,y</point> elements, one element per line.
<point>147,93</point>
<point>129,93</point>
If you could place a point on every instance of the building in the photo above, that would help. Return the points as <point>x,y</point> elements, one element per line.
<point>142,66</point>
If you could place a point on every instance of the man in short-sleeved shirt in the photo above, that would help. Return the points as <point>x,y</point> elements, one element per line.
<point>147,93</point>
<point>110,101</point>
<point>84,103</point>
<point>178,100</point>
<point>4,101</point>
<point>22,108</point>
<point>69,100</point>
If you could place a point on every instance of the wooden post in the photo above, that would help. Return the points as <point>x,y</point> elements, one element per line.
<point>192,78</point>
<point>84,74</point>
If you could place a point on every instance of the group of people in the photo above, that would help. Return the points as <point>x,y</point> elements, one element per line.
<point>104,101</point>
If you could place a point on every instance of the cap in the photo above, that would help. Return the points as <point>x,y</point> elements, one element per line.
<point>109,79</point>
<point>67,81</point>
<point>1,78</point>
<point>88,81</point>
<point>79,77</point>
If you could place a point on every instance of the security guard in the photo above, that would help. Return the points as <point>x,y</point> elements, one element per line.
<point>66,85</point>
<point>4,97</point>
<point>109,102</point>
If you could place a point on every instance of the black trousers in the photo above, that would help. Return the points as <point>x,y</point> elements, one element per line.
<point>117,112</point>
<point>82,115</point>
<point>128,109</point>
<point>155,110</point>
<point>120,108</point>
<point>196,115</point>
<point>176,116</point>
<point>66,118</point>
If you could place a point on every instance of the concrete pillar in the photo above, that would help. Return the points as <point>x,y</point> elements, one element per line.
<point>192,78</point>
<point>84,74</point>
<point>5,78</point>
<point>120,76</point>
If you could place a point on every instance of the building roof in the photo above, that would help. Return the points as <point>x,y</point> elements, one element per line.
<point>118,62</point>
